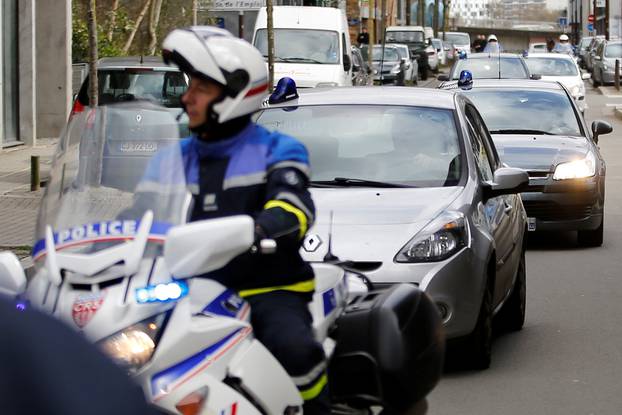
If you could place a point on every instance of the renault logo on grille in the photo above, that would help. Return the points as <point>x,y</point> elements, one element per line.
<point>312,243</point>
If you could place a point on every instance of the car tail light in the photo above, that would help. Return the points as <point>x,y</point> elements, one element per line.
<point>193,403</point>
<point>77,107</point>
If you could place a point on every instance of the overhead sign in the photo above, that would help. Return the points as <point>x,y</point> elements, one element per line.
<point>590,27</point>
<point>232,5</point>
<point>563,21</point>
<point>590,18</point>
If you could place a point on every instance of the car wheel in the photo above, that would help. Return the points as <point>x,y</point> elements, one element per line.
<point>592,237</point>
<point>512,316</point>
<point>479,342</point>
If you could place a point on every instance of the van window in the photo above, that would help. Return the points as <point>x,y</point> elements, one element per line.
<point>404,36</point>
<point>301,45</point>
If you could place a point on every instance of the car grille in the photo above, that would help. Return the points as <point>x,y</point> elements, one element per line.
<point>552,211</point>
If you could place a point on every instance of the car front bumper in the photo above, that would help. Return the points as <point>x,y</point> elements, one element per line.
<point>455,285</point>
<point>565,205</point>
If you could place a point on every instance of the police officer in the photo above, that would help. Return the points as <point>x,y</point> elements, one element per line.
<point>564,45</point>
<point>233,166</point>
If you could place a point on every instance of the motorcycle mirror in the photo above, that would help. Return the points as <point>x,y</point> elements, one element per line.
<point>12,276</point>
<point>203,246</point>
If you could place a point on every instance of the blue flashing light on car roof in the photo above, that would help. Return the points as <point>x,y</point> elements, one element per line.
<point>162,293</point>
<point>465,81</point>
<point>285,91</point>
<point>462,55</point>
<point>525,53</point>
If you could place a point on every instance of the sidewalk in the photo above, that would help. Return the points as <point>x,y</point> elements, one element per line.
<point>18,205</point>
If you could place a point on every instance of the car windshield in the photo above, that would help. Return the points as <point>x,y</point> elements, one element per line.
<point>585,43</point>
<point>613,51</point>
<point>511,68</point>
<point>163,87</point>
<point>406,36</point>
<point>457,39</point>
<point>390,54</point>
<point>437,43</point>
<point>512,111</point>
<point>391,144</point>
<point>552,66</point>
<point>301,45</point>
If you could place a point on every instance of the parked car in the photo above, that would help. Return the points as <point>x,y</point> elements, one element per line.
<point>562,68</point>
<point>414,191</point>
<point>536,126</point>
<point>135,78</point>
<point>414,37</point>
<point>591,52</point>
<point>582,49</point>
<point>441,51</point>
<point>489,66</point>
<point>388,67</point>
<point>361,72</point>
<point>537,47</point>
<point>412,68</point>
<point>604,62</point>
<point>456,42</point>
<point>433,58</point>
<point>312,45</point>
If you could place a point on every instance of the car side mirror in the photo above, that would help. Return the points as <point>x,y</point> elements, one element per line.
<point>535,76</point>
<point>600,128</point>
<point>506,180</point>
<point>347,63</point>
<point>12,276</point>
<point>443,77</point>
<point>586,76</point>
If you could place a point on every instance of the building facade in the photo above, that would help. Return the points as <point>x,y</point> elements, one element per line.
<point>518,10</point>
<point>470,9</point>
<point>580,10</point>
<point>35,83</point>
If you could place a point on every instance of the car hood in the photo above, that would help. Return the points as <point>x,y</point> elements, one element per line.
<point>539,152</point>
<point>308,75</point>
<point>373,224</point>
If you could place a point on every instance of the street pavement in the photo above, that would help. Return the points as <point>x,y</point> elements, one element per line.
<point>567,358</point>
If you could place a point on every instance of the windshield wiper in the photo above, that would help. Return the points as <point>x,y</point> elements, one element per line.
<point>345,182</point>
<point>294,59</point>
<point>520,131</point>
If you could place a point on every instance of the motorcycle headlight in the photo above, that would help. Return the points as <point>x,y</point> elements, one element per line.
<point>439,240</point>
<point>133,347</point>
<point>395,70</point>
<point>576,169</point>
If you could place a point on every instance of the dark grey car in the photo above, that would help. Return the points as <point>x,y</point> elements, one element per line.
<point>408,184</point>
<point>604,62</point>
<point>537,126</point>
<point>490,66</point>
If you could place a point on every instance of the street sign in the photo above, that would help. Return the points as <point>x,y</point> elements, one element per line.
<point>590,18</point>
<point>232,5</point>
<point>590,27</point>
<point>563,21</point>
<point>601,3</point>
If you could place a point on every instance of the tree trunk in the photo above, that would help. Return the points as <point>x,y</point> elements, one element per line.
<point>269,10</point>
<point>93,82</point>
<point>139,20</point>
<point>421,13</point>
<point>154,21</point>
<point>446,4</point>
<point>195,12</point>
<point>113,20</point>
<point>435,18</point>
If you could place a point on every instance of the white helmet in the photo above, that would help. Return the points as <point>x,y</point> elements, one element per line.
<point>216,55</point>
<point>492,37</point>
<point>564,38</point>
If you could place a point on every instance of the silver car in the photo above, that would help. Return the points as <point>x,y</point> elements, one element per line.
<point>409,188</point>
<point>604,62</point>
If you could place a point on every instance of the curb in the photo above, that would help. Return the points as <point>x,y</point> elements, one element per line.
<point>603,91</point>
<point>618,112</point>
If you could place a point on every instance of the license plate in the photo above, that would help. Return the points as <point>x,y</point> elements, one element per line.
<point>531,224</point>
<point>138,147</point>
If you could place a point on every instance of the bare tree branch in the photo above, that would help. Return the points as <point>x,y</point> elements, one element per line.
<point>113,20</point>
<point>154,20</point>
<point>139,20</point>
<point>93,81</point>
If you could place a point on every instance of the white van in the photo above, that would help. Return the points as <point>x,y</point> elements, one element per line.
<point>312,45</point>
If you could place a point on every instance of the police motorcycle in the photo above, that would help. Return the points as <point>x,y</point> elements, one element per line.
<point>116,259</point>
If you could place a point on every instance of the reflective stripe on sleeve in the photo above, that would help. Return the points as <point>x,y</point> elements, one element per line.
<point>315,390</point>
<point>288,207</point>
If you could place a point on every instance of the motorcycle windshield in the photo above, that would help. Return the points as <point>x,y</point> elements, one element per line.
<point>112,165</point>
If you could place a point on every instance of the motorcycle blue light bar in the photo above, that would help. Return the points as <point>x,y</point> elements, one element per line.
<point>162,293</point>
<point>465,81</point>
<point>285,91</point>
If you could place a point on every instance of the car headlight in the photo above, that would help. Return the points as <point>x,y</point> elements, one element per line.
<point>395,70</point>
<point>576,169</point>
<point>577,91</point>
<point>133,347</point>
<point>605,67</point>
<point>439,240</point>
<point>375,71</point>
